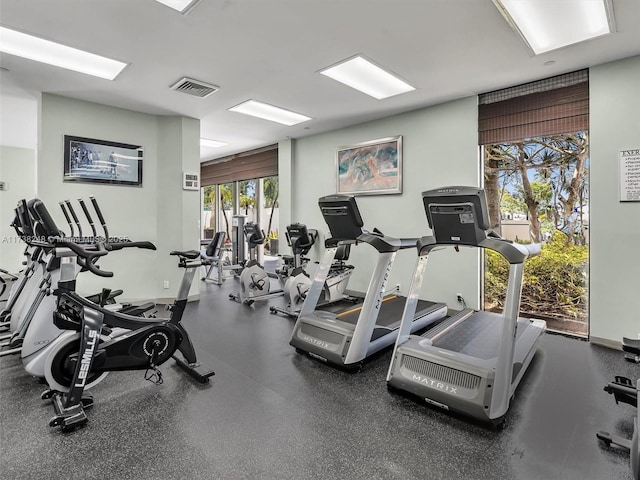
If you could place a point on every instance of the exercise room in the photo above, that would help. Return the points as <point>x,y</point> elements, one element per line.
<point>280,240</point>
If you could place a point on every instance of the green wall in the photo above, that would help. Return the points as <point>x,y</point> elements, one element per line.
<point>614,225</point>
<point>159,211</point>
<point>439,148</point>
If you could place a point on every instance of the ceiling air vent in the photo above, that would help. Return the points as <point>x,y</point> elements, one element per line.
<point>194,87</point>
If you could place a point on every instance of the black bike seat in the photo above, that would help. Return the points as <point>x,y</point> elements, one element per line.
<point>190,254</point>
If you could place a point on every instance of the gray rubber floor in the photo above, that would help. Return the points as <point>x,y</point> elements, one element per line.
<point>270,413</point>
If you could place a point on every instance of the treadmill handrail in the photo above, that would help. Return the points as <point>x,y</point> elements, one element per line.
<point>383,243</point>
<point>514,253</point>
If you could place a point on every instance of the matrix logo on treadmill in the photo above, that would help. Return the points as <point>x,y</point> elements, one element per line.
<point>435,384</point>
<point>315,341</point>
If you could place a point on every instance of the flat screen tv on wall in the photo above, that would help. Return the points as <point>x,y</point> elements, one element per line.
<point>88,160</point>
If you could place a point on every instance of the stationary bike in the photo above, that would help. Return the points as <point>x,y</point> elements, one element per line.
<point>624,390</point>
<point>97,340</point>
<point>299,281</point>
<point>255,282</point>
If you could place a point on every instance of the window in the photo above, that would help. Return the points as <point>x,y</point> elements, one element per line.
<point>535,145</point>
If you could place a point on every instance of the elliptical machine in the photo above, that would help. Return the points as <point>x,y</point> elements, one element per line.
<point>255,282</point>
<point>97,340</point>
<point>30,318</point>
<point>7,280</point>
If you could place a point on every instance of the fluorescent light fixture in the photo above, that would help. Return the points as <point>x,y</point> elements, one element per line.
<point>552,24</point>
<point>182,6</point>
<point>45,51</point>
<point>269,112</point>
<point>361,74</point>
<point>205,142</point>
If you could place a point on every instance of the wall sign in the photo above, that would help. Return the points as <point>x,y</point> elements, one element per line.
<point>630,175</point>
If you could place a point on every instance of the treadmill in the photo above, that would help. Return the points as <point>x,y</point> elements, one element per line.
<point>472,362</point>
<point>346,338</point>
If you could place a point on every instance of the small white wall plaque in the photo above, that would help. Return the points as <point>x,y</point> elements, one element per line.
<point>190,181</point>
<point>630,175</point>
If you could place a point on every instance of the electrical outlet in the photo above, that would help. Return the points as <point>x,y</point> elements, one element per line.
<point>397,287</point>
<point>459,297</point>
<point>166,284</point>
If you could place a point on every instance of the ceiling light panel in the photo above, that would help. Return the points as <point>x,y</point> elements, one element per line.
<point>270,112</point>
<point>361,74</point>
<point>205,142</point>
<point>182,6</point>
<point>549,25</point>
<point>45,51</point>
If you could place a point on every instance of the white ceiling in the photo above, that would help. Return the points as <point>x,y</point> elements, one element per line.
<point>271,50</point>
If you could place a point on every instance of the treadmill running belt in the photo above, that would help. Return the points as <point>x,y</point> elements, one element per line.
<point>478,336</point>
<point>390,312</point>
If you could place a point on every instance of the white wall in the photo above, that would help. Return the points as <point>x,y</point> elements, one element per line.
<point>18,141</point>
<point>18,114</point>
<point>614,226</point>
<point>159,211</point>
<point>439,148</point>
<point>17,170</point>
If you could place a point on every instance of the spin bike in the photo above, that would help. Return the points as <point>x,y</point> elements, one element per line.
<point>97,340</point>
<point>255,282</point>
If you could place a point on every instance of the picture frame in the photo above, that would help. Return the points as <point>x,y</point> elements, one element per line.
<point>370,168</point>
<point>88,160</point>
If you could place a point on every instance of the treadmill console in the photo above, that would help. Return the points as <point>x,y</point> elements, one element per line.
<point>342,216</point>
<point>457,215</point>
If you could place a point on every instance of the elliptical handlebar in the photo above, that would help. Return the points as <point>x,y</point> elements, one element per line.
<point>96,207</point>
<point>88,217</point>
<point>67,218</point>
<point>74,216</point>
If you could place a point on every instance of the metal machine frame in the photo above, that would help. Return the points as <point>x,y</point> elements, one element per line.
<point>473,361</point>
<point>323,334</point>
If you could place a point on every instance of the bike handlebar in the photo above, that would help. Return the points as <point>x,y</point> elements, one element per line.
<point>87,257</point>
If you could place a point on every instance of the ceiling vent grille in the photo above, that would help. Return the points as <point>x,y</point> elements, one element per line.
<point>194,87</point>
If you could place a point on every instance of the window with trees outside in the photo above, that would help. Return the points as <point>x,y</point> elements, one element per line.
<point>242,184</point>
<point>538,191</point>
<point>255,198</point>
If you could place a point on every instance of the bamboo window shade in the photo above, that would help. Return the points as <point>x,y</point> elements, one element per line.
<point>259,163</point>
<point>551,106</point>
